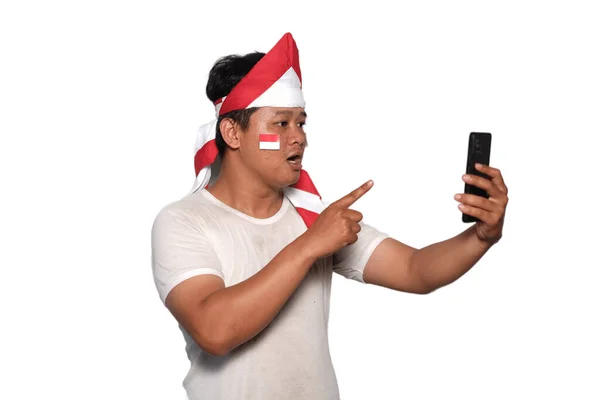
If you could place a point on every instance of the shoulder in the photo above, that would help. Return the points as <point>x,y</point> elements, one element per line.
<point>190,213</point>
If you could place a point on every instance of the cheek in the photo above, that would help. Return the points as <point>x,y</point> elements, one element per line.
<point>270,157</point>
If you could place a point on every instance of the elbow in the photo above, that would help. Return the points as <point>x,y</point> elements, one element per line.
<point>425,290</point>
<point>414,289</point>
<point>214,332</point>
<point>213,342</point>
<point>422,285</point>
<point>218,350</point>
<point>428,287</point>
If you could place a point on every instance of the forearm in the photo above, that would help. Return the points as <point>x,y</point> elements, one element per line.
<point>442,263</point>
<point>237,313</point>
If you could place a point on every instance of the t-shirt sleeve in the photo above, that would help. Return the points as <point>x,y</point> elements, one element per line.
<point>180,250</point>
<point>351,260</point>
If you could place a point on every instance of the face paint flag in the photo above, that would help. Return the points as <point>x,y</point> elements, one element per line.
<point>268,141</point>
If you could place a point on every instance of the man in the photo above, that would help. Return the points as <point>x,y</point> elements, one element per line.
<point>244,263</point>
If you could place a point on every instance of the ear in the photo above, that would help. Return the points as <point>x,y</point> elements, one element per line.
<point>230,132</point>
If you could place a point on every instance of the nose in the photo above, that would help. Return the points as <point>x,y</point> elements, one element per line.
<point>297,136</point>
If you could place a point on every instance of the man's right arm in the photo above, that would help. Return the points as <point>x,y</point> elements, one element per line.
<point>221,318</point>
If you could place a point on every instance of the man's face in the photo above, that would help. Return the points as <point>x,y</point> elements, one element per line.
<point>277,168</point>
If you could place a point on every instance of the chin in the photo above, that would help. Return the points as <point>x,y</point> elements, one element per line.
<point>288,180</point>
<point>294,178</point>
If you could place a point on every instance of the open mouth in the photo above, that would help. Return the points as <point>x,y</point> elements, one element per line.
<point>297,159</point>
<point>295,162</point>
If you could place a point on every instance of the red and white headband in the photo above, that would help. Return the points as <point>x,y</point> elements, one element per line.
<point>275,81</point>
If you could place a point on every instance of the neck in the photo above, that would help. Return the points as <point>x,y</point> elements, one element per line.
<point>243,190</point>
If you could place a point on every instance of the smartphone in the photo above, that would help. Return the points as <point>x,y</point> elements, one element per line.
<point>480,144</point>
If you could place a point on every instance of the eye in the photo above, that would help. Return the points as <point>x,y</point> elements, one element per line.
<point>282,123</point>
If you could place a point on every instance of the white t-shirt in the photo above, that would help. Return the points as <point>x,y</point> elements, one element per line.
<point>290,358</point>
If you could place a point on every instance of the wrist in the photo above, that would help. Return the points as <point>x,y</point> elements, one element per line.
<point>482,243</point>
<point>306,249</point>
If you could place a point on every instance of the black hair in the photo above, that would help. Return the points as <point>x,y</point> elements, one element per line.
<point>223,76</point>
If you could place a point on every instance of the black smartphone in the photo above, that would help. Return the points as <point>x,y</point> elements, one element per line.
<point>480,144</point>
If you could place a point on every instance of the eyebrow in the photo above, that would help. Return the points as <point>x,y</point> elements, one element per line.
<point>288,112</point>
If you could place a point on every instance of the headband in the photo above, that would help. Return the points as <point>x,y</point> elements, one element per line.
<point>275,81</point>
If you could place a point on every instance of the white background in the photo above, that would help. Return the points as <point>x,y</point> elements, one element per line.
<point>99,105</point>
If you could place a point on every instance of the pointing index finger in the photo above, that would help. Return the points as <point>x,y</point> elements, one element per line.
<point>356,194</point>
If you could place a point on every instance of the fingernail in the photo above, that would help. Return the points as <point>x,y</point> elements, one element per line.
<point>457,197</point>
<point>466,177</point>
<point>370,183</point>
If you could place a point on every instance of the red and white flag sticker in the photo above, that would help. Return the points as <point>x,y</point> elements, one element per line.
<point>268,141</point>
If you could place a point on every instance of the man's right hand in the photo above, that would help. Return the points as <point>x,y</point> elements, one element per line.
<point>337,226</point>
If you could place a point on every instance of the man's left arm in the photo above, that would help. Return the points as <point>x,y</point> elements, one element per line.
<point>400,267</point>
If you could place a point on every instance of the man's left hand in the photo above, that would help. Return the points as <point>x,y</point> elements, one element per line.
<point>490,211</point>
